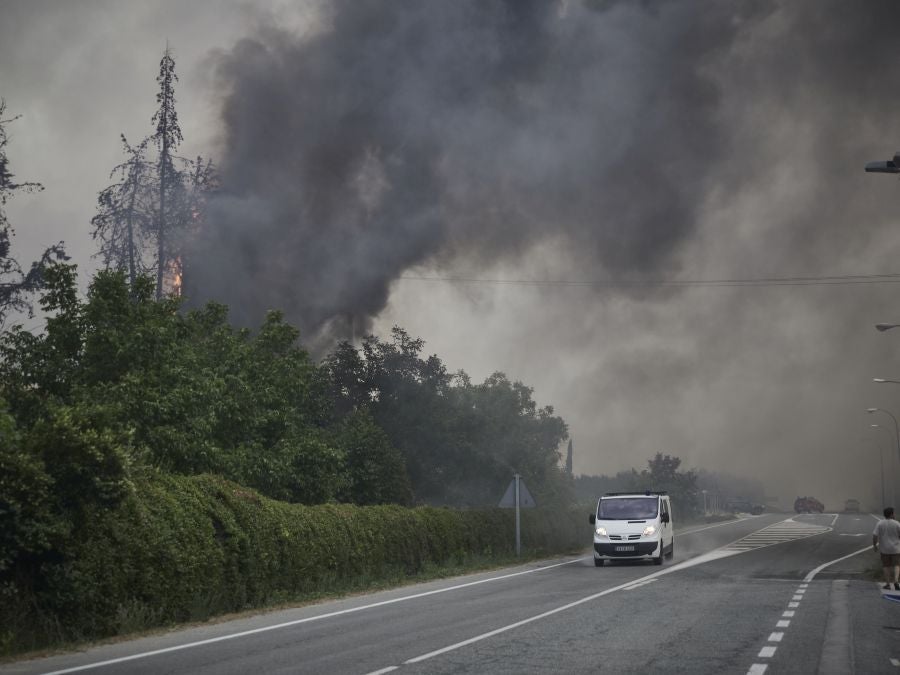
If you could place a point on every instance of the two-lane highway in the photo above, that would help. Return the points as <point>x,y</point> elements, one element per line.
<point>744,596</point>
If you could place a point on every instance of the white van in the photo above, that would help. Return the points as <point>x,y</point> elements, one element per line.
<point>633,526</point>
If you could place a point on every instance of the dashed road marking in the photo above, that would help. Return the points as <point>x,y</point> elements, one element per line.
<point>788,614</point>
<point>793,605</point>
<point>784,623</point>
<point>389,669</point>
<point>895,663</point>
<point>767,652</point>
<point>776,637</point>
<point>757,669</point>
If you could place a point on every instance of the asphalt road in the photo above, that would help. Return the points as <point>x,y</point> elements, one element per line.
<point>774,594</point>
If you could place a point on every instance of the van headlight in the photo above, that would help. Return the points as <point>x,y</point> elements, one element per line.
<point>649,531</point>
<point>601,531</point>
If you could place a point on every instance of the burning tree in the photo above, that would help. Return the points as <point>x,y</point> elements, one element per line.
<point>145,220</point>
<point>15,284</point>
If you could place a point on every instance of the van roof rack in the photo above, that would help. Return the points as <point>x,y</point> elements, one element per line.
<point>645,493</point>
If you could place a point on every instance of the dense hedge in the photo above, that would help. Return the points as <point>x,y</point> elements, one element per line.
<point>182,548</point>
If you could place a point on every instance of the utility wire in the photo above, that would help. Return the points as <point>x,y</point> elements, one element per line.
<point>844,280</point>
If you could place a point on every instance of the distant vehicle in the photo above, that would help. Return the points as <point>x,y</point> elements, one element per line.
<point>808,505</point>
<point>633,526</point>
<point>851,506</point>
<point>743,506</point>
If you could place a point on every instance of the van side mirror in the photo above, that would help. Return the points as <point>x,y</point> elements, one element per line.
<point>665,517</point>
<point>592,518</point>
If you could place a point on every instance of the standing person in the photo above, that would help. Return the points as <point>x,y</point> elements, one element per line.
<point>886,541</point>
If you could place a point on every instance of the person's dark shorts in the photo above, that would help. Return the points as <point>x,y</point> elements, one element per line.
<point>890,559</point>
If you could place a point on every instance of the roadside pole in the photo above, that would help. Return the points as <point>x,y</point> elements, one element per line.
<point>518,522</point>
<point>517,497</point>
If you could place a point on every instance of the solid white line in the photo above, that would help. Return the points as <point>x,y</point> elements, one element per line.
<point>784,623</point>
<point>812,575</point>
<point>776,637</point>
<point>706,557</point>
<point>709,527</point>
<point>766,652</point>
<point>523,622</point>
<point>757,669</point>
<point>296,622</point>
<point>389,669</point>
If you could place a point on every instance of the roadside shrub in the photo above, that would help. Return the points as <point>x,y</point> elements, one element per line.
<point>183,548</point>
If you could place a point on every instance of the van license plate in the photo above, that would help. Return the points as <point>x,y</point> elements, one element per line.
<point>624,548</point>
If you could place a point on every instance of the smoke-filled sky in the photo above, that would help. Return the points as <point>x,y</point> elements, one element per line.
<point>375,153</point>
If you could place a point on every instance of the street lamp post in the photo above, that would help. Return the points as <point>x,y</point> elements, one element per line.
<point>894,419</point>
<point>881,457</point>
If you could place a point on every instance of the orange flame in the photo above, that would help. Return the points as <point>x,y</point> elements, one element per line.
<point>172,278</point>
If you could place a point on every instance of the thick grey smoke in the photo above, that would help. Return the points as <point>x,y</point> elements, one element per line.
<point>400,133</point>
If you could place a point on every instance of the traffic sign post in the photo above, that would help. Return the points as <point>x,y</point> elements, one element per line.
<point>517,496</point>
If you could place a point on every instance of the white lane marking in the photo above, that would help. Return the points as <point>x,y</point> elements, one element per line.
<point>804,585</point>
<point>812,575</point>
<point>788,614</point>
<point>699,560</point>
<point>797,598</point>
<point>389,669</point>
<point>766,652</point>
<point>895,663</point>
<point>639,584</point>
<point>793,605</point>
<point>709,527</point>
<point>757,669</point>
<point>784,623</point>
<point>297,622</point>
<point>776,637</point>
<point>716,554</point>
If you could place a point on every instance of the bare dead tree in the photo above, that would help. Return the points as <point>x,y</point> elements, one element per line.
<point>15,284</point>
<point>124,213</point>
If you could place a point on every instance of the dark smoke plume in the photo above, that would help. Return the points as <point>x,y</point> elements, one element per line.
<point>409,132</point>
<point>405,133</point>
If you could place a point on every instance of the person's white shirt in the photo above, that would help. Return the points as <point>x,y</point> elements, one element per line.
<point>888,533</point>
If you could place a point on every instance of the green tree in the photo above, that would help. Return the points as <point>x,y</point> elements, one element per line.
<point>461,442</point>
<point>375,470</point>
<point>662,474</point>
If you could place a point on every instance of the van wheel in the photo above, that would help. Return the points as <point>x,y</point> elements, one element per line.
<point>598,562</point>
<point>659,560</point>
<point>671,553</point>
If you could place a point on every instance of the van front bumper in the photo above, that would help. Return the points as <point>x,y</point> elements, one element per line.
<point>626,549</point>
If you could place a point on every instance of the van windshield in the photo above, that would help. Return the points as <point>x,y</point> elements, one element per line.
<point>628,508</point>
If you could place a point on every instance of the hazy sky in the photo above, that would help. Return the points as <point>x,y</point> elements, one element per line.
<point>365,145</point>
